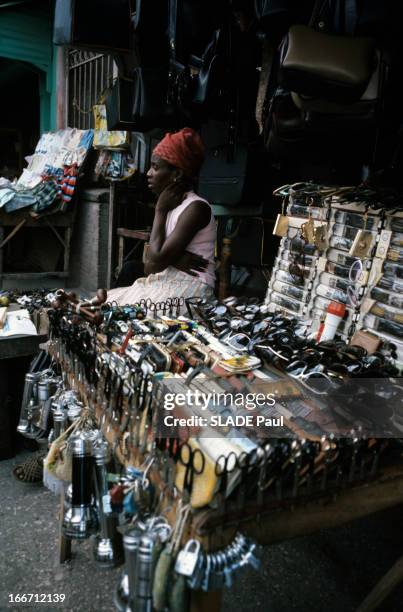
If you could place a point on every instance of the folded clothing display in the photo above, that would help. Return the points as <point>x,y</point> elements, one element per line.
<point>51,174</point>
<point>39,198</point>
<point>18,322</point>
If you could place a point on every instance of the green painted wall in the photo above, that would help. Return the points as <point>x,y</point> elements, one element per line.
<point>26,35</point>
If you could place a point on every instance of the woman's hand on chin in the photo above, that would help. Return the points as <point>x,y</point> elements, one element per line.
<point>171,197</point>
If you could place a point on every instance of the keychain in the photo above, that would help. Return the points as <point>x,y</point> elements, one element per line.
<point>281,225</point>
<point>321,236</point>
<point>308,228</point>
<point>362,242</point>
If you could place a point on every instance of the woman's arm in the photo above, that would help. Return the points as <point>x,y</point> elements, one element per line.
<point>156,241</point>
<point>163,252</point>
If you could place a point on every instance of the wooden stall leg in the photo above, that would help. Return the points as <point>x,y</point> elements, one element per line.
<point>384,587</point>
<point>205,602</point>
<point>121,253</point>
<point>64,543</point>
<point>224,272</point>
<point>67,250</point>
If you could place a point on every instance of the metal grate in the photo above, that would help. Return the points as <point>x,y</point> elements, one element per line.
<point>89,74</point>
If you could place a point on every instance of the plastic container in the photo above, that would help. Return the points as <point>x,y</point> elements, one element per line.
<point>334,316</point>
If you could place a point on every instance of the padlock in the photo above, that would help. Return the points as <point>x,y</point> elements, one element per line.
<point>195,581</point>
<point>186,561</point>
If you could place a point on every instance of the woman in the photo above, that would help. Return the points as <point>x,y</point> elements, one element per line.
<point>180,256</point>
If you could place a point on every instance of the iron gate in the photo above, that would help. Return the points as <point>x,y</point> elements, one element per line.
<point>89,75</point>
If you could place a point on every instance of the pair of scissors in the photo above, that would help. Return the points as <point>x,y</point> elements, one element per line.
<point>194,462</point>
<point>224,466</point>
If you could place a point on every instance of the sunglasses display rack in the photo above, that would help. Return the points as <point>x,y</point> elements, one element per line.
<point>348,266</point>
<point>344,278</point>
<point>385,302</point>
<point>296,264</point>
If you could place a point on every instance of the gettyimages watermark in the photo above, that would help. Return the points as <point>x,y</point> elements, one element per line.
<point>248,401</point>
<point>207,402</point>
<point>356,407</point>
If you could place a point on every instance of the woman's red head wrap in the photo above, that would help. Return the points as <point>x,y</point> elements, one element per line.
<point>184,150</point>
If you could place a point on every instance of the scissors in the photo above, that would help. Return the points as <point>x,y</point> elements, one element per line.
<point>224,466</point>
<point>154,307</point>
<point>194,462</point>
<point>178,303</point>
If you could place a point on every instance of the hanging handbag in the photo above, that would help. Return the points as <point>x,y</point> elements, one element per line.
<point>119,105</point>
<point>161,93</point>
<point>299,124</point>
<point>99,25</point>
<point>210,76</point>
<point>179,80</point>
<point>150,108</point>
<point>232,171</point>
<point>332,67</point>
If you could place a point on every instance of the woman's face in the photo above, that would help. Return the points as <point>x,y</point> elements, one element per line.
<point>160,175</point>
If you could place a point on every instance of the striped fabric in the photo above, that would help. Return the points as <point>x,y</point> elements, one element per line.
<point>171,283</point>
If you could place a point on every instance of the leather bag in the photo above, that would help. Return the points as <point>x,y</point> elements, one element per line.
<point>119,105</point>
<point>150,108</point>
<point>208,79</point>
<point>231,174</point>
<point>332,67</point>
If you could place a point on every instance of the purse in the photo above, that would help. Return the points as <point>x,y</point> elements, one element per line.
<point>361,108</point>
<point>101,25</point>
<point>179,80</point>
<point>119,105</point>
<point>296,123</point>
<point>231,173</point>
<point>299,124</point>
<point>159,93</point>
<point>332,67</point>
<point>150,90</point>
<point>209,80</point>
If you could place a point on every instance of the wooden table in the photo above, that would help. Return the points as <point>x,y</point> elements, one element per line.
<point>15,355</point>
<point>20,346</point>
<point>59,223</point>
<point>12,347</point>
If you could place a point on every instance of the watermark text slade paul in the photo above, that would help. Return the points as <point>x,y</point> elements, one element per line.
<point>219,420</point>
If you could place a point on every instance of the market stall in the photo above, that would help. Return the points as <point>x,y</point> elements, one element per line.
<point>186,441</point>
<point>184,434</point>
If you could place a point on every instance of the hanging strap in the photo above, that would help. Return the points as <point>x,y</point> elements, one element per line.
<point>321,7</point>
<point>267,62</point>
<point>350,16</point>
<point>172,27</point>
<point>340,16</point>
